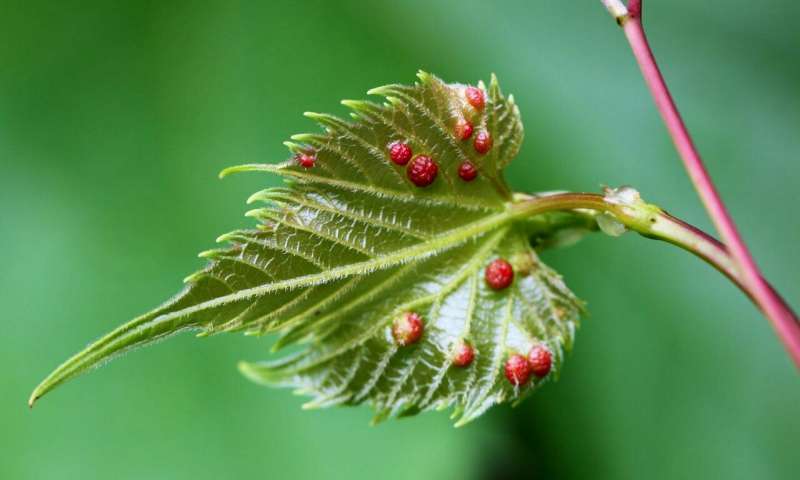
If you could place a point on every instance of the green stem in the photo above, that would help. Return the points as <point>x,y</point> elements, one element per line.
<point>648,220</point>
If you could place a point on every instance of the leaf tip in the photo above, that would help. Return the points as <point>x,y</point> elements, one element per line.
<point>256,197</point>
<point>379,417</point>
<point>225,237</point>
<point>462,422</point>
<point>251,371</point>
<point>383,90</point>
<point>193,277</point>
<point>32,400</point>
<point>294,147</point>
<point>253,213</point>
<point>358,106</point>
<point>240,168</point>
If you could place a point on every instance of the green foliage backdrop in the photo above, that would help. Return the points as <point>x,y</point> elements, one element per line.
<point>116,118</point>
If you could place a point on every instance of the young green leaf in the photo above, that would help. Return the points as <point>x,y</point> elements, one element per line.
<point>378,225</point>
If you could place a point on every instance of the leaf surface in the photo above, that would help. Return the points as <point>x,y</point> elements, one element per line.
<point>350,244</point>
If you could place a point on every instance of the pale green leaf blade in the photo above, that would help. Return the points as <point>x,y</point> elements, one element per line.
<point>351,243</point>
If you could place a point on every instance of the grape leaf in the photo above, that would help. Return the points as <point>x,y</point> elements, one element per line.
<point>351,244</point>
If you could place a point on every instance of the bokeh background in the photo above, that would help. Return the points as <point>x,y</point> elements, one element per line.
<point>115,118</point>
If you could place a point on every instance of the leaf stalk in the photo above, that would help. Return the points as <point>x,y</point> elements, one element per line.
<point>648,220</point>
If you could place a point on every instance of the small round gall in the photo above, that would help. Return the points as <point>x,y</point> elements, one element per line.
<point>422,170</point>
<point>483,142</point>
<point>475,97</point>
<point>407,328</point>
<point>540,359</point>
<point>518,370</point>
<point>467,171</point>
<point>463,355</point>
<point>464,129</point>
<point>400,152</point>
<point>305,160</point>
<point>499,274</point>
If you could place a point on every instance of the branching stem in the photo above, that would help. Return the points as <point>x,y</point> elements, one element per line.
<point>783,319</point>
<point>648,220</point>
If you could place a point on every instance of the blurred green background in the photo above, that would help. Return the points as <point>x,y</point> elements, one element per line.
<point>115,118</point>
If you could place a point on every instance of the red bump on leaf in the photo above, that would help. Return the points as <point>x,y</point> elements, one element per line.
<point>463,355</point>
<point>400,152</point>
<point>518,370</point>
<point>464,129</point>
<point>305,160</point>
<point>541,360</point>
<point>499,274</point>
<point>467,171</point>
<point>407,328</point>
<point>483,142</point>
<point>475,97</point>
<point>422,170</point>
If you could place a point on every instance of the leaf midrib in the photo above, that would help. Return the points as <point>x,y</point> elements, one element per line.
<point>436,244</point>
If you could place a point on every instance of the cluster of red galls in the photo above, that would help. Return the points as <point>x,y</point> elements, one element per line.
<point>407,329</point>
<point>499,274</point>
<point>422,170</point>
<point>464,128</point>
<point>538,362</point>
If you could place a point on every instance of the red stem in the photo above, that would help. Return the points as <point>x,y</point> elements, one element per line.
<point>783,319</point>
